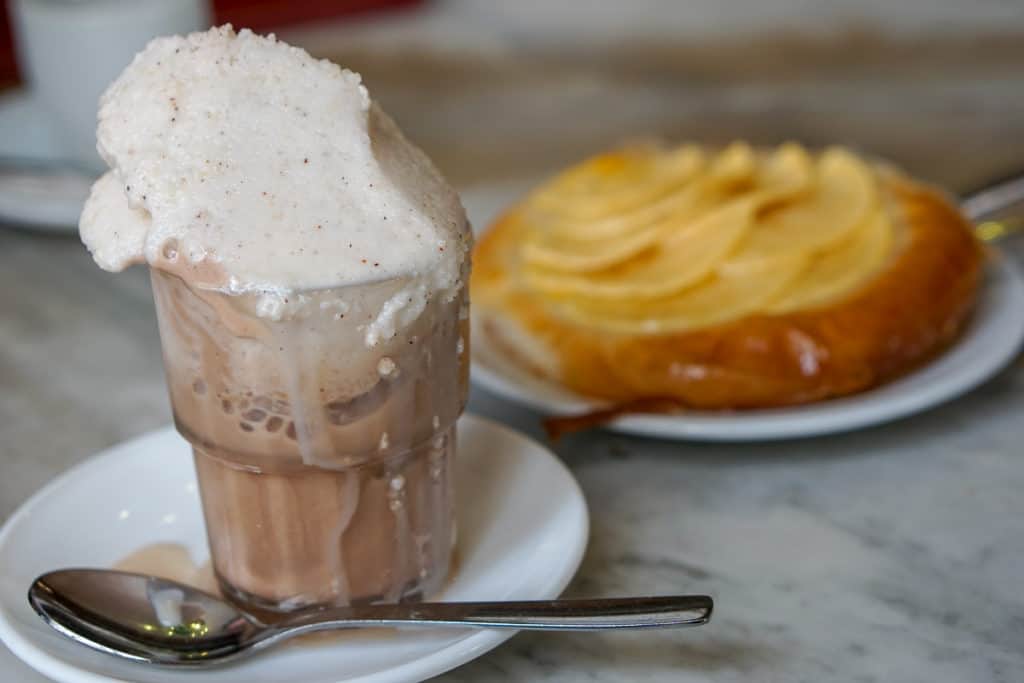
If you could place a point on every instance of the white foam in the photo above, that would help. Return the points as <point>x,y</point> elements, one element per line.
<point>273,171</point>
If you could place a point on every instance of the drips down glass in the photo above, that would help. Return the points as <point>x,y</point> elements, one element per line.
<point>324,463</point>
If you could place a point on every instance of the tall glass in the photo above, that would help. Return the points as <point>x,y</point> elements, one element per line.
<point>324,463</point>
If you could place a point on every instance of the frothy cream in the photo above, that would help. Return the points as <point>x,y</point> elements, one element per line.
<point>244,165</point>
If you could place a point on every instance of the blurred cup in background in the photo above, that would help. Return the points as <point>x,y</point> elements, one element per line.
<point>70,50</point>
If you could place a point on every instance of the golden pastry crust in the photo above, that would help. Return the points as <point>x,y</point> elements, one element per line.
<point>906,313</point>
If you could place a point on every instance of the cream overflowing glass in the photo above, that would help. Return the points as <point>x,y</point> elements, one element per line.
<point>308,268</point>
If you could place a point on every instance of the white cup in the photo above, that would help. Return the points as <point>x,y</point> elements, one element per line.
<point>70,51</point>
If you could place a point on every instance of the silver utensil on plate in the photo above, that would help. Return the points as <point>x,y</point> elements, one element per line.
<point>997,209</point>
<point>156,620</point>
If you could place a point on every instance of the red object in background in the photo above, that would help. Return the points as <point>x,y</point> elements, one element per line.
<point>8,67</point>
<point>259,15</point>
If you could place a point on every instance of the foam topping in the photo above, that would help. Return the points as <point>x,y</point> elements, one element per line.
<point>245,165</point>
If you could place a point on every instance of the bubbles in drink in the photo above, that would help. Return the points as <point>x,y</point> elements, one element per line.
<point>254,415</point>
<point>170,250</point>
<point>252,410</point>
<point>385,367</point>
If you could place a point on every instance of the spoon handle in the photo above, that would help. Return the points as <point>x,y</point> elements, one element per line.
<point>546,615</point>
<point>995,197</point>
<point>997,209</point>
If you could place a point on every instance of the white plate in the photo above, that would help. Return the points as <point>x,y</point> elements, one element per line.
<point>991,340</point>
<point>522,531</point>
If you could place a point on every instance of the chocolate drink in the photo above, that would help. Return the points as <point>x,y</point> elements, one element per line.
<point>308,266</point>
<point>351,503</point>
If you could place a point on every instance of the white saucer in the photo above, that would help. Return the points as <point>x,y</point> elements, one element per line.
<point>522,531</point>
<point>989,343</point>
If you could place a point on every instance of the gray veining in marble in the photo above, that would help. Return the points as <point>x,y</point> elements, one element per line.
<point>891,554</point>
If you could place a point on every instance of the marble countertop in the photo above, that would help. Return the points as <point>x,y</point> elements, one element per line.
<point>891,554</point>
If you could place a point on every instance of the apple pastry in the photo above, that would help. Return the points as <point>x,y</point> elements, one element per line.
<point>734,278</point>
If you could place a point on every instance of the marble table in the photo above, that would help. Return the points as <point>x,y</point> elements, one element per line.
<point>889,554</point>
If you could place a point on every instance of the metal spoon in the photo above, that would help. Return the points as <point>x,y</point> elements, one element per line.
<point>997,209</point>
<point>145,618</point>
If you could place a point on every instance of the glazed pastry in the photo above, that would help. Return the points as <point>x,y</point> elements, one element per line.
<point>729,279</point>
